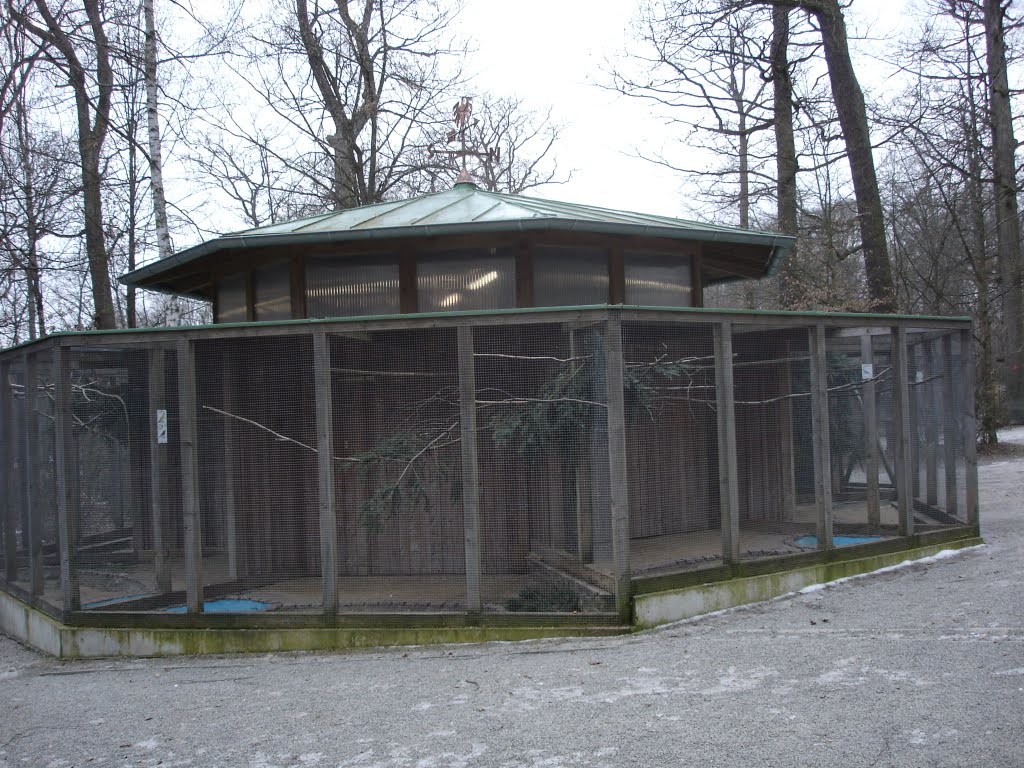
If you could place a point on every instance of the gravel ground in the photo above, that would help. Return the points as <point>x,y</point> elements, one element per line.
<point>918,667</point>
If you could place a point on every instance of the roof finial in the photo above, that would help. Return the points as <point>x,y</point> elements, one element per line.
<point>461,113</point>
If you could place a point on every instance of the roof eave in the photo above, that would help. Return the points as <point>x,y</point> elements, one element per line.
<point>779,243</point>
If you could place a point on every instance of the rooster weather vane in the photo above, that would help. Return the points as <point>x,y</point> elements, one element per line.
<point>461,114</point>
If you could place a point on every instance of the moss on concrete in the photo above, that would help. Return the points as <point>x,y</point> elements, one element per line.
<point>45,633</point>
<point>674,604</point>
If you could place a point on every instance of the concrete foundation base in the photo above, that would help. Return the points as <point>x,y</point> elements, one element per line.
<point>44,633</point>
<point>657,608</point>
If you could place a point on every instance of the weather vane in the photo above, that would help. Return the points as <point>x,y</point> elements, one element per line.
<point>461,114</point>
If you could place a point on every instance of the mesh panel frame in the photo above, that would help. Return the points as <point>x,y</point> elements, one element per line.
<point>473,461</point>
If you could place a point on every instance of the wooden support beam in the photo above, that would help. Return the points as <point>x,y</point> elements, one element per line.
<point>592,344</point>
<point>524,275</point>
<point>32,489</point>
<point>470,470</point>
<point>970,428</point>
<point>616,274</point>
<point>157,418</point>
<point>728,465</point>
<point>950,427</point>
<point>930,410</point>
<point>901,415</point>
<point>697,272</point>
<point>787,454</point>
<point>914,410</point>
<point>229,389</point>
<point>8,448</point>
<point>190,513</point>
<point>325,471</point>
<point>820,435</point>
<point>297,286</point>
<point>583,498</point>
<point>617,467</point>
<point>66,469</point>
<point>250,296</point>
<point>408,293</point>
<point>869,399</point>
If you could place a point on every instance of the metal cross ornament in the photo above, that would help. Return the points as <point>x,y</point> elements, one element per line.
<point>462,113</point>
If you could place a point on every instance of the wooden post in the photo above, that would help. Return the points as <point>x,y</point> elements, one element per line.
<point>31,497</point>
<point>869,395</point>
<point>157,420</point>
<point>728,465</point>
<point>616,274</point>
<point>787,459</point>
<point>901,413</point>
<point>820,439</point>
<point>970,430</point>
<point>8,509</point>
<point>617,468</point>
<point>67,486</point>
<point>8,431</point>
<point>190,476</point>
<point>229,388</point>
<point>914,385</point>
<point>600,482</point>
<point>132,453</point>
<point>930,413</point>
<point>470,471</point>
<point>325,471</point>
<point>583,498</point>
<point>950,426</point>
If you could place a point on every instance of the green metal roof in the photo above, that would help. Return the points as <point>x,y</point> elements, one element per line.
<point>466,209</point>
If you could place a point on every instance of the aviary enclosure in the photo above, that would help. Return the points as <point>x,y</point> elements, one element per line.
<point>494,464</point>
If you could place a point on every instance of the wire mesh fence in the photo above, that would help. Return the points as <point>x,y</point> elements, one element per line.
<point>672,447</point>
<point>520,464</point>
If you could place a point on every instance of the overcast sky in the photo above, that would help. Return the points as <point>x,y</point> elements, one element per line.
<point>550,52</point>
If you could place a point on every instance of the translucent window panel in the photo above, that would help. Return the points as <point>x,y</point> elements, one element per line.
<point>350,287</point>
<point>272,292</point>
<point>466,280</point>
<point>658,279</point>
<point>231,299</point>
<point>565,276</point>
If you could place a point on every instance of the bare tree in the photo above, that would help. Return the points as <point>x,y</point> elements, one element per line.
<point>1004,180</point>
<point>76,46</point>
<point>852,114</point>
<point>359,85</point>
<point>35,189</point>
<point>943,218</point>
<point>515,147</point>
<point>711,78</point>
<point>718,17</point>
<point>786,163</point>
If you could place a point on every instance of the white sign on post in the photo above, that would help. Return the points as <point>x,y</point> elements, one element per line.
<point>867,371</point>
<point>161,426</point>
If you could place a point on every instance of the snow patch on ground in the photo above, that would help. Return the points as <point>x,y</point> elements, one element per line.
<point>1012,435</point>
<point>945,554</point>
<point>1010,672</point>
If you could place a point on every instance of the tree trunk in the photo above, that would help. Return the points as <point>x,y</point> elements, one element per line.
<point>156,172</point>
<point>33,275</point>
<point>1008,224</point>
<point>93,120</point>
<point>156,164</point>
<point>785,148</point>
<point>986,399</point>
<point>90,144</point>
<point>348,120</point>
<point>849,102</point>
